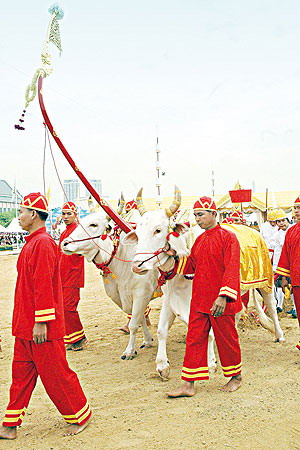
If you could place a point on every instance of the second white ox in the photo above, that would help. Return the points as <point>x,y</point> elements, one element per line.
<point>128,290</point>
<point>150,235</point>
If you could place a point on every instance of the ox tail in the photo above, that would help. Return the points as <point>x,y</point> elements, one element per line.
<point>265,321</point>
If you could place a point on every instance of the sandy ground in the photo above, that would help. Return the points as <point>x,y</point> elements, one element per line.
<point>131,410</point>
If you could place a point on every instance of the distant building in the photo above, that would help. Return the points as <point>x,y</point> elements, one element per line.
<point>72,189</point>
<point>10,198</point>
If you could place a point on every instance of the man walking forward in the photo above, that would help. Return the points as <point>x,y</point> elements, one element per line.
<point>215,261</point>
<point>38,327</point>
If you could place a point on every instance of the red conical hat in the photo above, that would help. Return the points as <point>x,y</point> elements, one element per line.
<point>69,207</point>
<point>228,220</point>
<point>205,204</point>
<point>36,201</point>
<point>236,215</point>
<point>130,205</point>
<point>297,201</point>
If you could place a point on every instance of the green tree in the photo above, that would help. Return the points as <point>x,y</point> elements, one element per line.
<point>7,217</point>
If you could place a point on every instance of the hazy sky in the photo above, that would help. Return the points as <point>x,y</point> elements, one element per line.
<point>219,80</point>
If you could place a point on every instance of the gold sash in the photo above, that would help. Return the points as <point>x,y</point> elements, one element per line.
<point>256,269</point>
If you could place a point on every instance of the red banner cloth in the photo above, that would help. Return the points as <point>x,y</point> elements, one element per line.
<point>241,195</point>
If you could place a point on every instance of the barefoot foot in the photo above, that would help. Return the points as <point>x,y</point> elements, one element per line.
<point>75,429</point>
<point>8,433</point>
<point>80,345</point>
<point>233,384</point>
<point>125,329</point>
<point>186,390</point>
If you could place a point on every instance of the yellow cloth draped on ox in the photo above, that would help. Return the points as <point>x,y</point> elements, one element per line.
<point>256,269</point>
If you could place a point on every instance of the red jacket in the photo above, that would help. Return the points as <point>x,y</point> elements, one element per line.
<point>71,266</point>
<point>215,261</point>
<point>289,261</point>
<point>38,293</point>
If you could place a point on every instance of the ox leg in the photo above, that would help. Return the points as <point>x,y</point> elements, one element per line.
<point>166,319</point>
<point>212,362</point>
<point>134,324</point>
<point>148,340</point>
<point>240,313</point>
<point>270,303</point>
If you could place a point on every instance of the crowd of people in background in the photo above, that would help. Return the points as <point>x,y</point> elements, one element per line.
<point>11,238</point>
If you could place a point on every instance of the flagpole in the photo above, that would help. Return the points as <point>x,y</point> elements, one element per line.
<point>267,200</point>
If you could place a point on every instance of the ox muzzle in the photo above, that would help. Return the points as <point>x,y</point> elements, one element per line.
<point>140,267</point>
<point>66,247</point>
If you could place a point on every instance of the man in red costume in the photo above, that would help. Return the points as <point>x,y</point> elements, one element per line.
<point>72,278</point>
<point>38,327</point>
<point>289,261</point>
<point>237,216</point>
<point>215,261</point>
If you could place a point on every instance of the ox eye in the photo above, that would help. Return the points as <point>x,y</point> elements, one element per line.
<point>158,230</point>
<point>94,225</point>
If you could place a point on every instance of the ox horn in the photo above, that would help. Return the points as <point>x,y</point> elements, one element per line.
<point>176,202</point>
<point>90,203</point>
<point>121,204</point>
<point>139,202</point>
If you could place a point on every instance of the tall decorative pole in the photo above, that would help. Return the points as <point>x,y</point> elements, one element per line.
<point>158,170</point>
<point>36,87</point>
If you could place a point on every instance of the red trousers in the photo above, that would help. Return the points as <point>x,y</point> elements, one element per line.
<point>74,328</point>
<point>47,360</point>
<point>245,299</point>
<point>195,365</point>
<point>296,292</point>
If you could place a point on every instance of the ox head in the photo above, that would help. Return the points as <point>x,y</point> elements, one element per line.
<point>91,226</point>
<point>150,235</point>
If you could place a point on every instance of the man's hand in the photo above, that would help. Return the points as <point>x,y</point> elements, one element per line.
<point>284,284</point>
<point>39,332</point>
<point>218,306</point>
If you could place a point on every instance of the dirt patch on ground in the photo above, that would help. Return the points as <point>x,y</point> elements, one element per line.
<point>131,410</point>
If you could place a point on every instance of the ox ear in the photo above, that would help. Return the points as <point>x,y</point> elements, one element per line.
<point>108,229</point>
<point>181,228</point>
<point>130,238</point>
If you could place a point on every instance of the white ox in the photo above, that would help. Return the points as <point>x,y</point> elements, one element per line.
<point>128,290</point>
<point>150,235</point>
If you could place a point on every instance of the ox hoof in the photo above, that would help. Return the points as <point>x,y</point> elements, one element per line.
<point>164,374</point>
<point>280,340</point>
<point>128,357</point>
<point>147,344</point>
<point>212,369</point>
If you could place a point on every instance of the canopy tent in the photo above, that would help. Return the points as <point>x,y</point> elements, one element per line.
<point>14,227</point>
<point>2,229</point>
<point>224,203</point>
